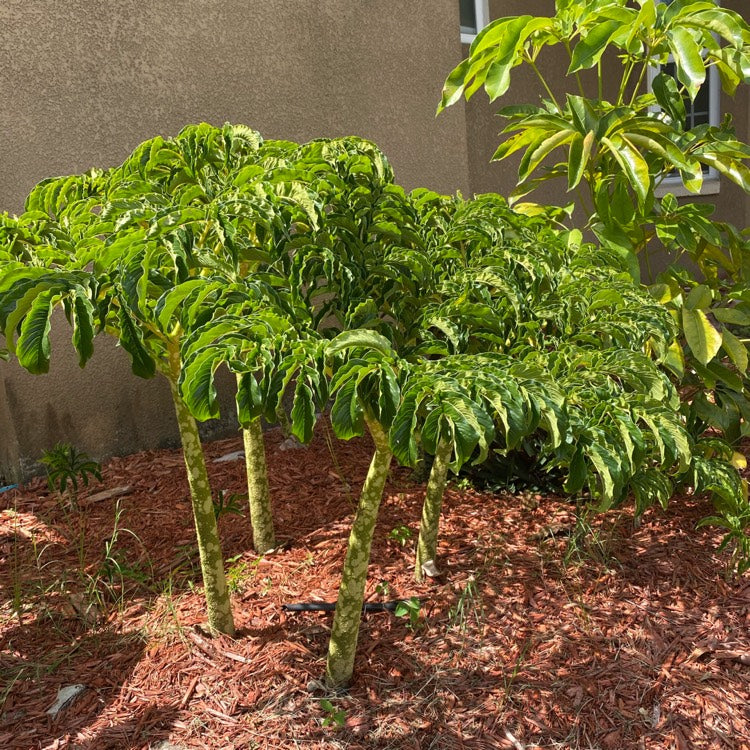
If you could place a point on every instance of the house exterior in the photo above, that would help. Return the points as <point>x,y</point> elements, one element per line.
<point>83,83</point>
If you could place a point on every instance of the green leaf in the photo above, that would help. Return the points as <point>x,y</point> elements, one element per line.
<point>249,399</point>
<point>454,85</point>
<point>691,70</point>
<point>703,339</point>
<point>674,359</point>
<point>577,473</point>
<point>660,146</point>
<point>727,376</point>
<point>700,298</point>
<point>731,168</point>
<point>303,413</point>
<point>649,486</point>
<point>33,348</point>
<point>731,315</point>
<point>589,50</point>
<point>578,158</point>
<point>669,97</point>
<point>607,469</point>
<point>536,155</point>
<point>646,19</point>
<point>736,350</point>
<point>170,301</point>
<point>347,416</point>
<point>505,53</point>
<point>17,302</point>
<point>131,340</point>
<point>83,327</point>
<point>432,427</point>
<point>465,436</point>
<point>632,164</point>
<point>361,338</point>
<point>388,397</point>
<point>720,21</point>
<point>402,435</point>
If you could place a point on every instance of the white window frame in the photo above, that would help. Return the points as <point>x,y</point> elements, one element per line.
<point>711,185</point>
<point>482,12</point>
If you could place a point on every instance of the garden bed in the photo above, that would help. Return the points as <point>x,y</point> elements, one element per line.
<point>532,637</point>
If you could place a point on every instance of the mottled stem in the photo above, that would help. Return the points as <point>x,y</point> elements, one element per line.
<point>219,607</point>
<point>433,502</point>
<point>343,644</point>
<point>284,422</point>
<point>258,494</point>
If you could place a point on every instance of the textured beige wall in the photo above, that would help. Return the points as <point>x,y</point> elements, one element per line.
<point>100,410</point>
<point>103,409</point>
<point>83,82</point>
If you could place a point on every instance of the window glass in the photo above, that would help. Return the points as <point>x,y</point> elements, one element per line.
<point>698,111</point>
<point>468,16</point>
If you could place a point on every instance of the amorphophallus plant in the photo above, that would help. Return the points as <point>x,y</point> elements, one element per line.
<point>135,252</point>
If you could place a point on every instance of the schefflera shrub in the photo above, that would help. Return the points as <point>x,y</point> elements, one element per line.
<point>573,310</point>
<point>616,130</point>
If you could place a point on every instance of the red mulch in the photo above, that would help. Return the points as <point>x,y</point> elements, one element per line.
<point>630,639</point>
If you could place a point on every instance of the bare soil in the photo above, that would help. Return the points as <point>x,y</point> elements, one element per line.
<point>534,636</point>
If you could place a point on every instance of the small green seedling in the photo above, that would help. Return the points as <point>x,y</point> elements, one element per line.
<point>68,468</point>
<point>468,607</point>
<point>410,608</point>
<point>463,484</point>
<point>115,567</point>
<point>333,715</point>
<point>226,504</point>
<point>240,572</point>
<point>383,589</point>
<point>401,534</point>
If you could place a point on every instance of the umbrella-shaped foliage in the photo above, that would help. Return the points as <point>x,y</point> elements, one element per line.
<point>295,254</point>
<point>142,249</point>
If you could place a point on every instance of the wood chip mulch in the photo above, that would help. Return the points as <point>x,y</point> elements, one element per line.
<point>534,636</point>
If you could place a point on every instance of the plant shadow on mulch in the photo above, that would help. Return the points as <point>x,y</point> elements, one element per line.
<point>531,637</point>
<point>102,662</point>
<point>63,625</point>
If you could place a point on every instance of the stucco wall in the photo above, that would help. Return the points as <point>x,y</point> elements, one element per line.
<point>82,83</point>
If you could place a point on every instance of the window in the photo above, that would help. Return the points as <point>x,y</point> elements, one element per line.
<point>475,15</point>
<point>703,110</point>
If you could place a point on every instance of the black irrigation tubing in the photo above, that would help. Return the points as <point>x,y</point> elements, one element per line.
<point>331,606</point>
